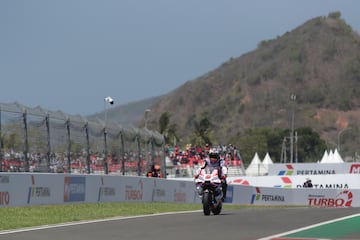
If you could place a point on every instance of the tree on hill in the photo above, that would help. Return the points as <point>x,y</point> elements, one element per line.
<point>310,146</point>
<point>168,130</point>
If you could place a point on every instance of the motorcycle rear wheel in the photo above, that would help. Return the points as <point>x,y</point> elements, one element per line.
<point>206,201</point>
<point>217,209</point>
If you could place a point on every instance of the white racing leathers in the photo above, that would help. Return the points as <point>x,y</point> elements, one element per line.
<point>220,166</point>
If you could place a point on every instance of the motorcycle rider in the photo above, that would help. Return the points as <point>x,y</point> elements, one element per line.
<point>215,161</point>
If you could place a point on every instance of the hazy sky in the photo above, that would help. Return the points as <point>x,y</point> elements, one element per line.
<point>69,54</point>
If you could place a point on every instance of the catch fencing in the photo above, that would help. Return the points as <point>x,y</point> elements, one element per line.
<point>38,140</point>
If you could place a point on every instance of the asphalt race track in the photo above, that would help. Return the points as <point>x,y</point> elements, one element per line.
<point>250,223</point>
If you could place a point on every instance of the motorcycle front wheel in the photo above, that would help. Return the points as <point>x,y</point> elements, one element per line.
<point>206,201</point>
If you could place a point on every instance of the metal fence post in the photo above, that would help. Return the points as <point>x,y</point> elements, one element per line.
<point>164,158</point>
<point>122,152</point>
<point>106,167</point>
<point>1,146</point>
<point>139,153</point>
<point>152,152</point>
<point>26,142</point>
<point>47,122</point>
<point>86,128</point>
<point>69,144</point>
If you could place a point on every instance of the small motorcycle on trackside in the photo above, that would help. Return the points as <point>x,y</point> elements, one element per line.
<point>208,185</point>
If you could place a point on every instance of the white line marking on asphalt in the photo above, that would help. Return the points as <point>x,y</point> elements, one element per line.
<point>308,227</point>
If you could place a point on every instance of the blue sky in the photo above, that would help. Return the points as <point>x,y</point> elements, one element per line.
<point>69,54</point>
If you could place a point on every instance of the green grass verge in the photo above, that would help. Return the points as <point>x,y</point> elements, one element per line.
<point>20,217</point>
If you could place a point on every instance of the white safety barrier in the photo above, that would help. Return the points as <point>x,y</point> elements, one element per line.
<point>24,189</point>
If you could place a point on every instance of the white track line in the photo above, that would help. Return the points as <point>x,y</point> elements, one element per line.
<point>308,227</point>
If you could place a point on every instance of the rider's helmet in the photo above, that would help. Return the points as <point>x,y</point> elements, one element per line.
<point>214,155</point>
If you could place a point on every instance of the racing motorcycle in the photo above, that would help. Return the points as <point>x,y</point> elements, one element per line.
<point>209,188</point>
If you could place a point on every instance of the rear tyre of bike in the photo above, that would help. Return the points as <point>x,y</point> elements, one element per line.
<point>217,209</point>
<point>206,203</point>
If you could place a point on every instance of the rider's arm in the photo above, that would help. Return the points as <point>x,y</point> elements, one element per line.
<point>199,169</point>
<point>205,164</point>
<point>224,170</point>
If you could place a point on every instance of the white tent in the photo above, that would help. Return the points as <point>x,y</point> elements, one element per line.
<point>324,157</point>
<point>337,158</point>
<point>256,168</point>
<point>266,161</point>
<point>332,157</point>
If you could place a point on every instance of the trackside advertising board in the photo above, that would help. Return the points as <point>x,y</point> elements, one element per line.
<point>306,197</point>
<point>306,169</point>
<point>334,181</point>
<point>25,189</point>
